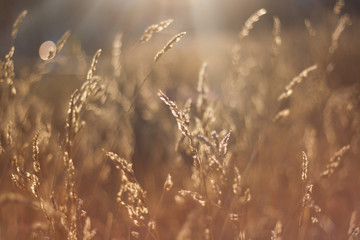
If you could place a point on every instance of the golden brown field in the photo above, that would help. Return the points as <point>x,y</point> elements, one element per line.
<point>250,131</point>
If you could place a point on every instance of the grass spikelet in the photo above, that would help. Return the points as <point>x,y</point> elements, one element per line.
<point>93,65</point>
<point>296,81</point>
<point>342,23</point>
<point>339,5</point>
<point>276,35</point>
<point>154,29</point>
<point>35,156</point>
<point>61,42</point>
<point>354,226</point>
<point>281,115</point>
<point>304,167</point>
<point>16,25</point>
<point>88,233</point>
<point>121,163</point>
<point>133,198</point>
<point>168,46</point>
<point>237,182</point>
<point>309,28</point>
<point>168,183</point>
<point>7,73</point>
<point>310,209</point>
<point>216,189</point>
<point>131,195</point>
<point>70,210</point>
<point>19,177</point>
<point>116,53</point>
<point>197,197</point>
<point>179,116</point>
<point>249,24</point>
<point>335,161</point>
<point>223,147</point>
<point>277,232</point>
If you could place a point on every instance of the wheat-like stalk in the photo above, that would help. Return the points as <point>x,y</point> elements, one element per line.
<point>61,42</point>
<point>16,25</point>
<point>7,73</point>
<point>276,35</point>
<point>335,161</point>
<point>168,46</point>
<point>197,197</point>
<point>93,65</point>
<point>309,28</point>
<point>354,226</point>
<point>339,5</point>
<point>168,183</point>
<point>277,232</point>
<point>154,29</point>
<point>249,24</point>
<point>304,167</point>
<point>342,23</point>
<point>289,89</point>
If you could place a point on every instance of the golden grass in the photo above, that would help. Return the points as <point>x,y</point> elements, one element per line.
<point>204,158</point>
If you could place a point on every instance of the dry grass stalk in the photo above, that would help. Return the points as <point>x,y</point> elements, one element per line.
<point>309,28</point>
<point>79,99</point>
<point>154,29</point>
<point>218,193</point>
<point>223,146</point>
<point>237,182</point>
<point>168,183</point>
<point>335,161</point>
<point>133,198</point>
<point>354,226</point>
<point>308,202</point>
<point>339,5</point>
<point>93,65</point>
<point>197,197</point>
<point>7,73</point>
<point>277,38</point>
<point>35,156</point>
<point>304,167</point>
<point>249,24</point>
<point>121,164</point>
<point>281,115</point>
<point>61,42</point>
<point>180,117</point>
<point>16,25</point>
<point>131,195</point>
<point>168,46</point>
<point>277,232</point>
<point>70,210</point>
<point>88,233</point>
<point>116,53</point>
<point>342,23</point>
<point>289,89</point>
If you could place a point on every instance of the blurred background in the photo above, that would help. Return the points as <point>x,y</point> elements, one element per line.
<point>245,78</point>
<point>94,22</point>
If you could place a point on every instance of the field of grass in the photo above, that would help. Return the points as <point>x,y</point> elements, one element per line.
<point>251,132</point>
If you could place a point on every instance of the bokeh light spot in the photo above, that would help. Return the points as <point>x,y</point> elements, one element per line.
<point>47,50</point>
